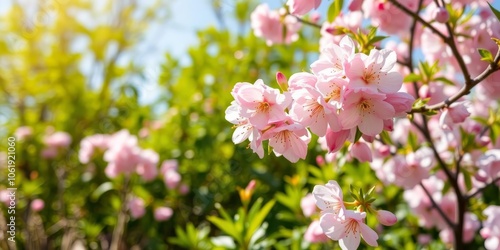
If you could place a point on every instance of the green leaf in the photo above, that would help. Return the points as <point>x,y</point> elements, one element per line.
<point>334,10</point>
<point>256,221</point>
<point>103,188</point>
<point>495,11</point>
<point>226,226</point>
<point>485,55</point>
<point>412,77</point>
<point>467,179</point>
<point>445,80</point>
<point>377,39</point>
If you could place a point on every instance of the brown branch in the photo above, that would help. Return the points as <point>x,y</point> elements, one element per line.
<point>437,207</point>
<point>465,90</point>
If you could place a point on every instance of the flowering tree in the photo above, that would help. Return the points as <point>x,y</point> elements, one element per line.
<point>410,87</point>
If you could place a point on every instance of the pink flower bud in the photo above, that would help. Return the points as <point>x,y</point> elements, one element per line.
<point>37,205</point>
<point>441,15</point>
<point>458,112</point>
<point>282,81</point>
<point>251,186</point>
<point>315,17</point>
<point>386,218</point>
<point>184,189</point>
<point>314,233</point>
<point>361,151</point>
<point>163,213</point>
<point>320,160</point>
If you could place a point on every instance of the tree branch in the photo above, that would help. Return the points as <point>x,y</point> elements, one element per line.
<point>480,190</point>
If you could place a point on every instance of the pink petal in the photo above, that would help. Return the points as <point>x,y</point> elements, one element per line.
<point>368,235</point>
<point>332,227</point>
<point>350,241</point>
<point>371,125</point>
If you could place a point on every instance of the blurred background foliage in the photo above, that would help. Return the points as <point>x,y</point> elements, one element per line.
<point>60,72</point>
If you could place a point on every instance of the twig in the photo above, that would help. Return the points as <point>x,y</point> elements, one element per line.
<point>306,22</point>
<point>480,190</point>
<point>465,90</point>
<point>437,207</point>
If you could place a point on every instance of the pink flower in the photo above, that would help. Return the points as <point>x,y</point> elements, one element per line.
<point>314,233</point>
<point>261,104</point>
<point>401,102</point>
<point>89,144</point>
<point>441,15</point>
<point>310,110</point>
<point>23,132</point>
<point>333,58</point>
<point>57,140</point>
<point>308,205</point>
<point>489,164</point>
<point>275,27</point>
<point>336,140</point>
<point>386,218</point>
<point>301,7</point>
<point>387,17</point>
<point>163,213</point>
<point>136,207</point>
<point>375,71</point>
<point>171,178</point>
<point>491,230</point>
<point>455,113</point>
<point>361,151</point>
<point>302,80</point>
<point>347,228</point>
<point>123,155</point>
<point>148,160</point>
<point>355,5</point>
<point>329,197</point>
<point>37,205</point>
<point>169,165</point>
<point>366,110</point>
<point>288,139</point>
<point>330,32</point>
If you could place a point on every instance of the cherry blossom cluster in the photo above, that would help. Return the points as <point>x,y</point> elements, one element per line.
<point>124,156</point>
<point>339,223</point>
<point>345,93</point>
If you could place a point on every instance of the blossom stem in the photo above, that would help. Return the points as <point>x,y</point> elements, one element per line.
<point>437,207</point>
<point>307,22</point>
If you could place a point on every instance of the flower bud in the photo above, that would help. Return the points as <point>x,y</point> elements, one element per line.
<point>442,15</point>
<point>282,81</point>
<point>163,213</point>
<point>37,205</point>
<point>386,218</point>
<point>361,151</point>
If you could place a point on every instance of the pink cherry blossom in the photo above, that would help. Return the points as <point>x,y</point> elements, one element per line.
<point>261,104</point>
<point>271,24</point>
<point>333,58</point>
<point>171,178</point>
<point>332,33</point>
<point>335,140</point>
<point>310,110</point>
<point>288,139</point>
<point>57,140</point>
<point>302,80</point>
<point>147,164</point>
<point>401,102</point>
<point>454,114</point>
<point>374,71</point>
<point>163,213</point>
<point>329,197</point>
<point>387,17</point>
<point>314,233</point>
<point>491,230</point>
<point>123,156</point>
<point>23,132</point>
<point>37,205</point>
<point>301,7</point>
<point>308,205</point>
<point>347,228</point>
<point>441,15</point>
<point>366,110</point>
<point>90,144</point>
<point>361,151</point>
<point>136,207</point>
